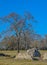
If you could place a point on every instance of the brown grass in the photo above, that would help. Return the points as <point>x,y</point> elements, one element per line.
<point>12,61</point>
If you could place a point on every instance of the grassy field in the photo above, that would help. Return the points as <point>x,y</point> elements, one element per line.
<point>12,61</point>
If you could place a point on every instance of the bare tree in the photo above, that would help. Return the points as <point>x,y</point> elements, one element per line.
<point>19,24</point>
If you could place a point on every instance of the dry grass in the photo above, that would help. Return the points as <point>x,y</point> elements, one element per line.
<point>12,61</point>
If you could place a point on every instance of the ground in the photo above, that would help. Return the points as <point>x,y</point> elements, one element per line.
<point>12,61</point>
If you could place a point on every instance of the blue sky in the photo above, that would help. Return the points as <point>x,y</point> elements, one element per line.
<point>38,8</point>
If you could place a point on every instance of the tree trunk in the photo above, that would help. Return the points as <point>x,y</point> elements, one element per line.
<point>18,49</point>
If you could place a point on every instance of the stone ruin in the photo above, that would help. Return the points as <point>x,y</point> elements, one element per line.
<point>34,53</point>
<point>23,56</point>
<point>44,56</point>
<point>30,54</point>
